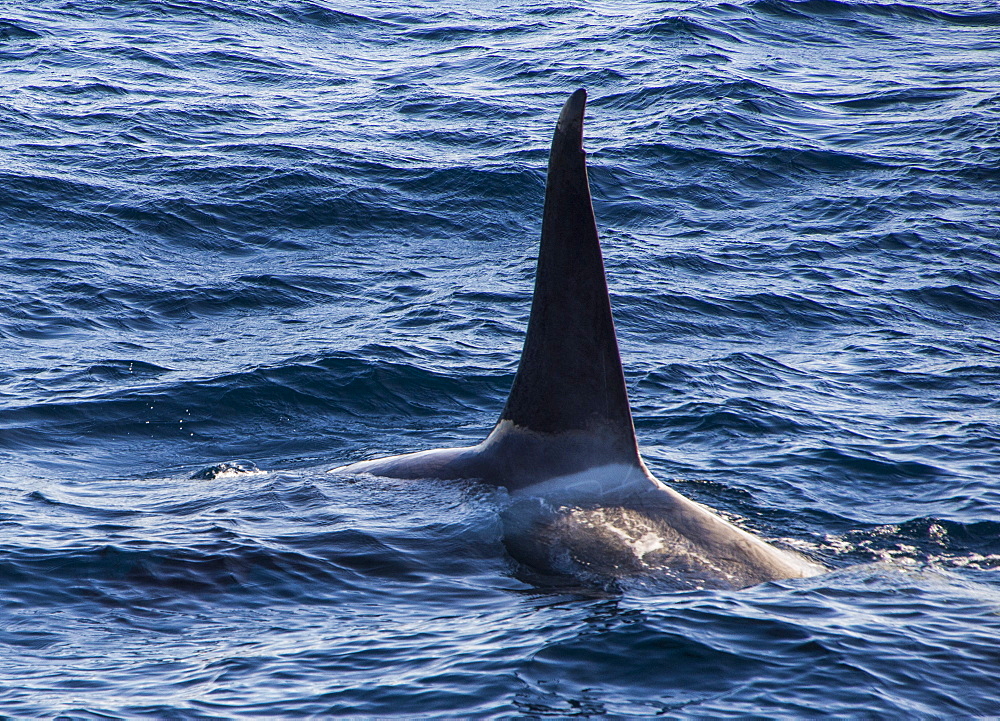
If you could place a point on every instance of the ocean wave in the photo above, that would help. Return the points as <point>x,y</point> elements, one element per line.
<point>130,398</point>
<point>954,14</point>
<point>115,573</point>
<point>13,32</point>
<point>316,14</point>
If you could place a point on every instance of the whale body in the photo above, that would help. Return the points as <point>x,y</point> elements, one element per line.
<point>566,433</point>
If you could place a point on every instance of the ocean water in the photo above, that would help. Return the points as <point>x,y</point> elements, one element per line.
<point>245,241</point>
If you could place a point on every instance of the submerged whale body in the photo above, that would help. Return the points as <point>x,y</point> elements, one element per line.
<point>566,432</point>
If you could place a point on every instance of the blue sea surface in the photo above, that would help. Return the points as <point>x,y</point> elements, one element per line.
<point>245,241</point>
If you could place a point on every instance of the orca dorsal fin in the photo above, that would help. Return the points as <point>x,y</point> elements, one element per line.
<point>570,376</point>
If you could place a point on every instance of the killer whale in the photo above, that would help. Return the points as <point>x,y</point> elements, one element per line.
<point>566,431</point>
